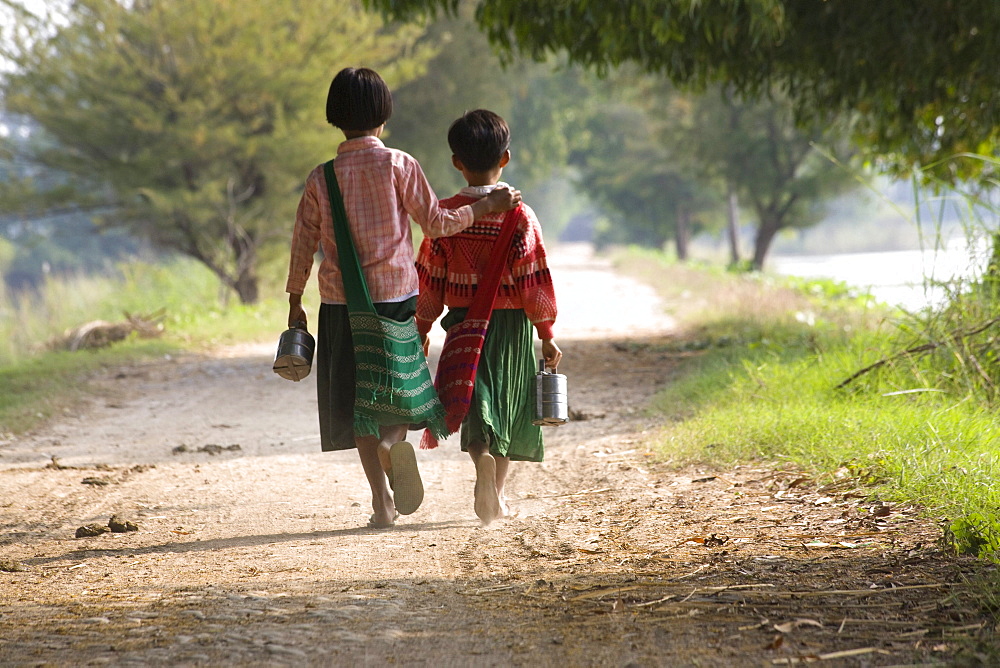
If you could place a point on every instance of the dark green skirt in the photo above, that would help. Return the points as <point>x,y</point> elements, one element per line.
<point>503,399</point>
<point>334,366</point>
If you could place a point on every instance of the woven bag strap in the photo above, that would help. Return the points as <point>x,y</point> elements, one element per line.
<point>355,286</point>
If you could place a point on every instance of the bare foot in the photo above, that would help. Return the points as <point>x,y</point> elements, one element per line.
<point>505,510</point>
<point>487,501</point>
<point>385,512</point>
<point>382,521</point>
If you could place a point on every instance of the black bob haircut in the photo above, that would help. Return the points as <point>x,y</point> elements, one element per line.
<point>358,100</point>
<point>479,139</point>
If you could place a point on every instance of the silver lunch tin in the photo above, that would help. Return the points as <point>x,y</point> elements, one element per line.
<point>551,401</point>
<point>295,353</point>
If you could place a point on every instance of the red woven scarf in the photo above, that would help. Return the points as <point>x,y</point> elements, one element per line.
<point>456,372</point>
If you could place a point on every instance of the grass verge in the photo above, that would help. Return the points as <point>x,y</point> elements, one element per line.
<point>764,389</point>
<point>37,382</point>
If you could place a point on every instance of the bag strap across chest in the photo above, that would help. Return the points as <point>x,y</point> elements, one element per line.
<point>355,287</point>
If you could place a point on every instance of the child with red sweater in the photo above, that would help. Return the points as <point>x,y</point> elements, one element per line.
<point>382,190</point>
<point>498,427</point>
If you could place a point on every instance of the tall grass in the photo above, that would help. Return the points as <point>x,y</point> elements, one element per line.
<point>920,428</point>
<point>751,308</point>
<point>197,309</point>
<point>37,381</point>
<point>939,449</point>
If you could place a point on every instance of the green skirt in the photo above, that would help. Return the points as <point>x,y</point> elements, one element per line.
<point>503,399</point>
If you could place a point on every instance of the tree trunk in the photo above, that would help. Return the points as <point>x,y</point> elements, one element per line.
<point>246,283</point>
<point>242,241</point>
<point>766,232</point>
<point>247,287</point>
<point>683,232</point>
<point>733,229</point>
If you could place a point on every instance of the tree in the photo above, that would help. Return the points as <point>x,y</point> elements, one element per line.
<point>769,162</point>
<point>918,77</point>
<point>196,121</point>
<point>454,83</point>
<point>634,169</point>
<point>666,161</point>
<point>62,241</point>
<point>545,104</point>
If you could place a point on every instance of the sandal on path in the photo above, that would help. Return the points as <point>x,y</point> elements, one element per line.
<point>404,478</point>
<point>487,502</point>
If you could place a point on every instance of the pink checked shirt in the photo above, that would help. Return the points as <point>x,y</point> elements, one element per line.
<point>382,188</point>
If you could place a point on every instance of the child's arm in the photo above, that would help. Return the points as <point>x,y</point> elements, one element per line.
<point>421,203</point>
<point>530,270</point>
<point>305,241</point>
<point>432,271</point>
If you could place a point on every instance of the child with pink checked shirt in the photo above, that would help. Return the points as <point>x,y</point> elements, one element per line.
<point>382,189</point>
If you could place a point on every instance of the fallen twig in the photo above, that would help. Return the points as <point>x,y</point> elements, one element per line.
<point>885,622</point>
<point>487,590</point>
<point>914,634</point>
<point>657,601</point>
<point>847,653</point>
<point>830,656</point>
<point>603,592</point>
<point>738,587</point>
<point>850,592</point>
<point>100,333</point>
<point>959,629</point>
<point>694,572</point>
<point>583,493</point>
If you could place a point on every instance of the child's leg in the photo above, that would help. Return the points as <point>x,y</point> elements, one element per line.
<point>487,504</point>
<point>374,453</point>
<point>382,505</point>
<point>503,465</point>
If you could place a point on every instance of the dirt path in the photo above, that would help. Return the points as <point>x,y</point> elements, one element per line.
<point>257,555</point>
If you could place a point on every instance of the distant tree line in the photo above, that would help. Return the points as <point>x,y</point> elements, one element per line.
<point>189,125</point>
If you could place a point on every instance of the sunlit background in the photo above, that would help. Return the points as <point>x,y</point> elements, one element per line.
<point>807,193</point>
<point>92,175</point>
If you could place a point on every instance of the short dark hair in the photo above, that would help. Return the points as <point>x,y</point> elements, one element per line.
<point>479,139</point>
<point>358,100</point>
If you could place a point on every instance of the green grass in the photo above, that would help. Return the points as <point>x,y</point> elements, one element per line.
<point>928,448</point>
<point>769,394</point>
<point>37,382</point>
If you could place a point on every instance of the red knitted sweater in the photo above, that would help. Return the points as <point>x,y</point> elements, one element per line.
<point>450,269</point>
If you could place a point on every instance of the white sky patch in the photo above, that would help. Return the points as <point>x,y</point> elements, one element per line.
<point>53,11</point>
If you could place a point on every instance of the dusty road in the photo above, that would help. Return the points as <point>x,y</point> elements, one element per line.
<point>251,546</point>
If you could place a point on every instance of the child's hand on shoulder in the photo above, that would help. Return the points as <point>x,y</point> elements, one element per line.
<point>503,198</point>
